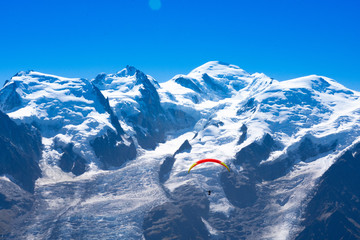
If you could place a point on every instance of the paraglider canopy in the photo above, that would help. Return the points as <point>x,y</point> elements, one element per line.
<point>209,160</point>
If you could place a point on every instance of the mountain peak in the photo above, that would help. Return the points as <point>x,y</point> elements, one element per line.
<point>127,71</point>
<point>40,76</point>
<point>314,82</point>
<point>217,69</point>
<point>124,80</point>
<point>23,73</point>
<point>213,80</point>
<point>125,77</point>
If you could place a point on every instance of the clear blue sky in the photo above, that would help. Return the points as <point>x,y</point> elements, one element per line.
<point>281,38</point>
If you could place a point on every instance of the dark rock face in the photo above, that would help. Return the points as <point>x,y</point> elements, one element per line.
<point>213,122</point>
<point>14,205</point>
<point>178,119</point>
<point>99,79</point>
<point>72,162</point>
<point>240,189</point>
<point>20,151</point>
<point>249,106</point>
<point>334,210</point>
<point>185,147</point>
<point>304,152</point>
<point>20,147</point>
<point>214,85</point>
<point>308,149</point>
<point>150,122</point>
<point>112,151</point>
<point>243,135</point>
<point>11,97</point>
<point>188,83</point>
<point>149,131</point>
<point>105,102</point>
<point>165,168</point>
<point>151,127</point>
<point>179,219</point>
<point>169,161</point>
<point>253,154</point>
<point>149,95</point>
<point>110,148</point>
<point>250,157</point>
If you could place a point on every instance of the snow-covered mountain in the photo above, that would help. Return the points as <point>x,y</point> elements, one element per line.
<point>135,100</point>
<point>73,118</point>
<point>116,150</point>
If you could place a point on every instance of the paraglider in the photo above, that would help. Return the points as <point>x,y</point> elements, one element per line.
<point>209,160</point>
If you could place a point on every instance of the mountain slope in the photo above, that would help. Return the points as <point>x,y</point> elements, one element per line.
<point>71,115</point>
<point>333,212</point>
<point>20,152</point>
<point>291,132</point>
<point>278,138</point>
<point>20,148</point>
<point>135,99</point>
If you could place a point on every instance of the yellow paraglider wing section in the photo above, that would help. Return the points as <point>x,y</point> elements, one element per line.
<point>192,166</point>
<point>225,166</point>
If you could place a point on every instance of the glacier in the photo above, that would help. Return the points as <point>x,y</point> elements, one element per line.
<point>116,150</point>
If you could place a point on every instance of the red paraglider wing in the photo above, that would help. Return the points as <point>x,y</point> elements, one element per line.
<point>209,160</point>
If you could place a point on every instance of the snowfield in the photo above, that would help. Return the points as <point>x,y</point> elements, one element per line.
<point>277,137</point>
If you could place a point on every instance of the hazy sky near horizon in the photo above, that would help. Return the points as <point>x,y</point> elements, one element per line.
<point>282,38</point>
